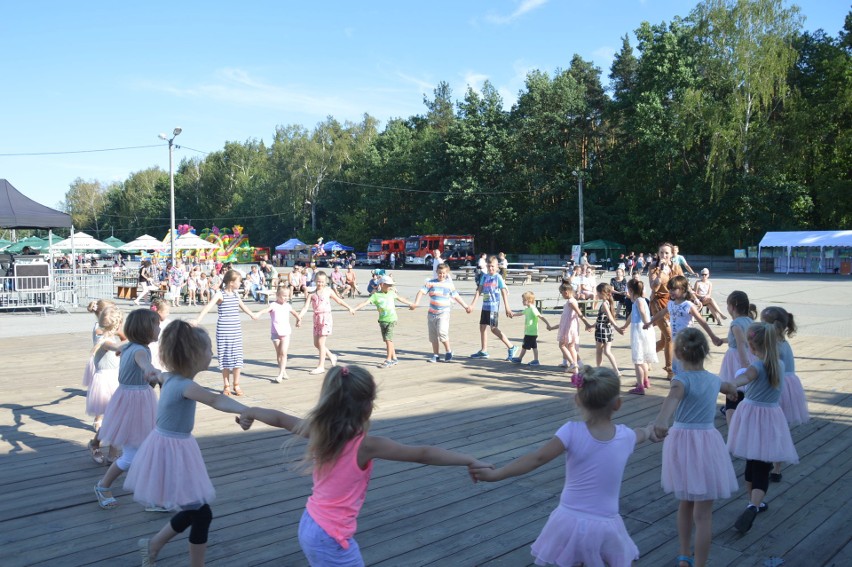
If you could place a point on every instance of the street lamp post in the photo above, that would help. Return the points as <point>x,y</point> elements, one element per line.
<point>172,227</point>
<point>579,175</point>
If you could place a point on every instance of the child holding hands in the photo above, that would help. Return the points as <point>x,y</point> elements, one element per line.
<point>531,316</point>
<point>385,301</point>
<point>320,301</point>
<point>643,348</point>
<point>568,336</point>
<point>585,528</point>
<point>696,465</point>
<point>341,454</point>
<point>169,472</point>
<point>279,312</point>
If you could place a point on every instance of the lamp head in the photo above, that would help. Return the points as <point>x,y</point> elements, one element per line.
<point>163,137</point>
<point>177,131</point>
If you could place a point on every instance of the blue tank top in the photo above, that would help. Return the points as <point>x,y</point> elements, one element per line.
<point>741,322</point>
<point>129,373</point>
<point>175,413</point>
<point>759,390</point>
<point>785,351</point>
<point>697,409</point>
<point>107,359</point>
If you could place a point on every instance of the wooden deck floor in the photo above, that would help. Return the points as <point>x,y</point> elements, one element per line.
<point>414,515</point>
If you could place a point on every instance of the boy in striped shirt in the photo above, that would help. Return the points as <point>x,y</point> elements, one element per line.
<point>441,292</point>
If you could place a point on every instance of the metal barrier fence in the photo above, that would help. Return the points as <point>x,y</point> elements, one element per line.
<point>59,291</point>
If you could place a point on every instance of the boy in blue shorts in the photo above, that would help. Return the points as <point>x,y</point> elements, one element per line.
<point>441,293</point>
<point>492,287</point>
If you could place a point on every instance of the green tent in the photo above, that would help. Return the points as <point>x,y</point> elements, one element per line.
<point>114,242</point>
<point>33,242</point>
<point>605,249</point>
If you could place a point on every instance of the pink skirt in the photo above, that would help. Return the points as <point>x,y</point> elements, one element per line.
<point>103,386</point>
<point>88,372</point>
<point>793,402</point>
<point>570,334</point>
<point>571,537</point>
<point>731,363</point>
<point>322,324</point>
<point>129,417</point>
<point>168,471</point>
<point>696,465</point>
<point>760,433</point>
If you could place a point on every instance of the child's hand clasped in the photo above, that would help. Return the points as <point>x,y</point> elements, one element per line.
<point>244,421</point>
<point>482,471</point>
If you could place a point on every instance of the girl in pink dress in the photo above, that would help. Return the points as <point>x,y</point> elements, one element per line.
<point>759,432</point>
<point>129,417</point>
<point>568,336</point>
<point>341,454</point>
<point>320,301</point>
<point>793,402</point>
<point>168,471</point>
<point>585,528</point>
<point>696,464</point>
<point>280,311</point>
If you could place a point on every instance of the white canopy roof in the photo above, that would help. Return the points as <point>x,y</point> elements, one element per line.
<point>808,238</point>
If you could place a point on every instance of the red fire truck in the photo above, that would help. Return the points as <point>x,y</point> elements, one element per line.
<point>456,250</point>
<point>374,252</point>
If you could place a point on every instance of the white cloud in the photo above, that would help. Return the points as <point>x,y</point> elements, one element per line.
<point>423,84</point>
<point>604,52</point>
<point>239,87</point>
<point>474,80</point>
<point>524,7</point>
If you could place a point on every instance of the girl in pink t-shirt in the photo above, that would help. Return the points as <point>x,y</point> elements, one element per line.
<point>341,454</point>
<point>585,528</point>
<point>280,311</point>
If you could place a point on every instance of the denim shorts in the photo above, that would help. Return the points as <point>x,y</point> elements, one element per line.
<point>322,550</point>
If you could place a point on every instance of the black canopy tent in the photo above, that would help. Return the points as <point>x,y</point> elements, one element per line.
<point>19,211</point>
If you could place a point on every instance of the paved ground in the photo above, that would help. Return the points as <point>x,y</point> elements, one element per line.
<point>413,515</point>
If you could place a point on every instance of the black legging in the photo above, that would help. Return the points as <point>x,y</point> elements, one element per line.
<point>757,473</point>
<point>199,519</point>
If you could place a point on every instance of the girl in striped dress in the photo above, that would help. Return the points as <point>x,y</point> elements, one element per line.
<point>229,332</point>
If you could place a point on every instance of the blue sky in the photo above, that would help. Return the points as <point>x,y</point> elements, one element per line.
<point>96,75</point>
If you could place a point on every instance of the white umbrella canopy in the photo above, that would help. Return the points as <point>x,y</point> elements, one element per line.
<point>191,241</point>
<point>144,242</point>
<point>82,241</point>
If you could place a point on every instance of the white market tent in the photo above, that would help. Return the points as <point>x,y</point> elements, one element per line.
<point>820,240</point>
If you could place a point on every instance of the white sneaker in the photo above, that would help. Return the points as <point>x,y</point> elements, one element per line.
<point>434,358</point>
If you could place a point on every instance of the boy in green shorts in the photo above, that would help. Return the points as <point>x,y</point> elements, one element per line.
<point>385,302</point>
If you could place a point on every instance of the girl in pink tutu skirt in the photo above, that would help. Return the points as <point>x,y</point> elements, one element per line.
<point>586,527</point>
<point>341,453</point>
<point>793,402</point>
<point>95,308</point>
<point>743,313</point>
<point>758,430</point>
<point>129,416</point>
<point>696,464</point>
<point>105,379</point>
<point>168,471</point>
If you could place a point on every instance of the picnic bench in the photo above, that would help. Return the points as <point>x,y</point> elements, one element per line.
<point>522,277</point>
<point>464,273</point>
<point>586,305</point>
<point>127,292</point>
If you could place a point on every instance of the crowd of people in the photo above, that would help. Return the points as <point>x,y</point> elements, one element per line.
<point>151,441</point>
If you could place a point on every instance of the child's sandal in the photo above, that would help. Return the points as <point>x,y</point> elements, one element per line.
<point>226,391</point>
<point>238,391</point>
<point>96,453</point>
<point>104,501</point>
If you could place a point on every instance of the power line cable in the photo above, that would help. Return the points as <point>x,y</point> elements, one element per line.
<point>81,151</point>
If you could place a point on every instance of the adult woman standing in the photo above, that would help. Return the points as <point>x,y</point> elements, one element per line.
<point>659,275</point>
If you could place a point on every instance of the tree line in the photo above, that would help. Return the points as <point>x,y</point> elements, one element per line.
<point>713,129</point>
